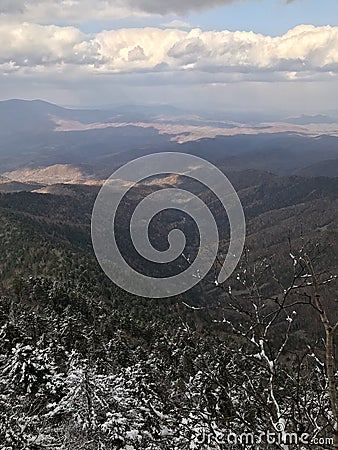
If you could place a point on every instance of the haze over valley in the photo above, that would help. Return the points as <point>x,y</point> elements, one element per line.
<point>47,144</point>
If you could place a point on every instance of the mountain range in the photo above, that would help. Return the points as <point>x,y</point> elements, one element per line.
<point>42,143</point>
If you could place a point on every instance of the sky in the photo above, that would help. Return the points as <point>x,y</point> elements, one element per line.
<point>269,56</point>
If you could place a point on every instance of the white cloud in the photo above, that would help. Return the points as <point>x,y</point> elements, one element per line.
<point>304,52</point>
<point>30,45</point>
<point>179,24</point>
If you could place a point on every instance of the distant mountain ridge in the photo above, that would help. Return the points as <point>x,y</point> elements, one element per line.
<point>307,119</point>
<point>37,138</point>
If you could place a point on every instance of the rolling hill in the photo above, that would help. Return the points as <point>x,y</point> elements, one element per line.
<point>37,136</point>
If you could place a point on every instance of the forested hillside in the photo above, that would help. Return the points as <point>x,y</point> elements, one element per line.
<point>85,365</point>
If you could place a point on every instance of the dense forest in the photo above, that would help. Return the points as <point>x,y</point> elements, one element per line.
<point>85,365</point>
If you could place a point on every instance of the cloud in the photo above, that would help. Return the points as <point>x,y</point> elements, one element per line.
<point>30,45</point>
<point>77,11</point>
<point>304,52</point>
<point>178,24</point>
<point>12,7</point>
<point>175,6</point>
<point>136,54</point>
<point>70,11</point>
